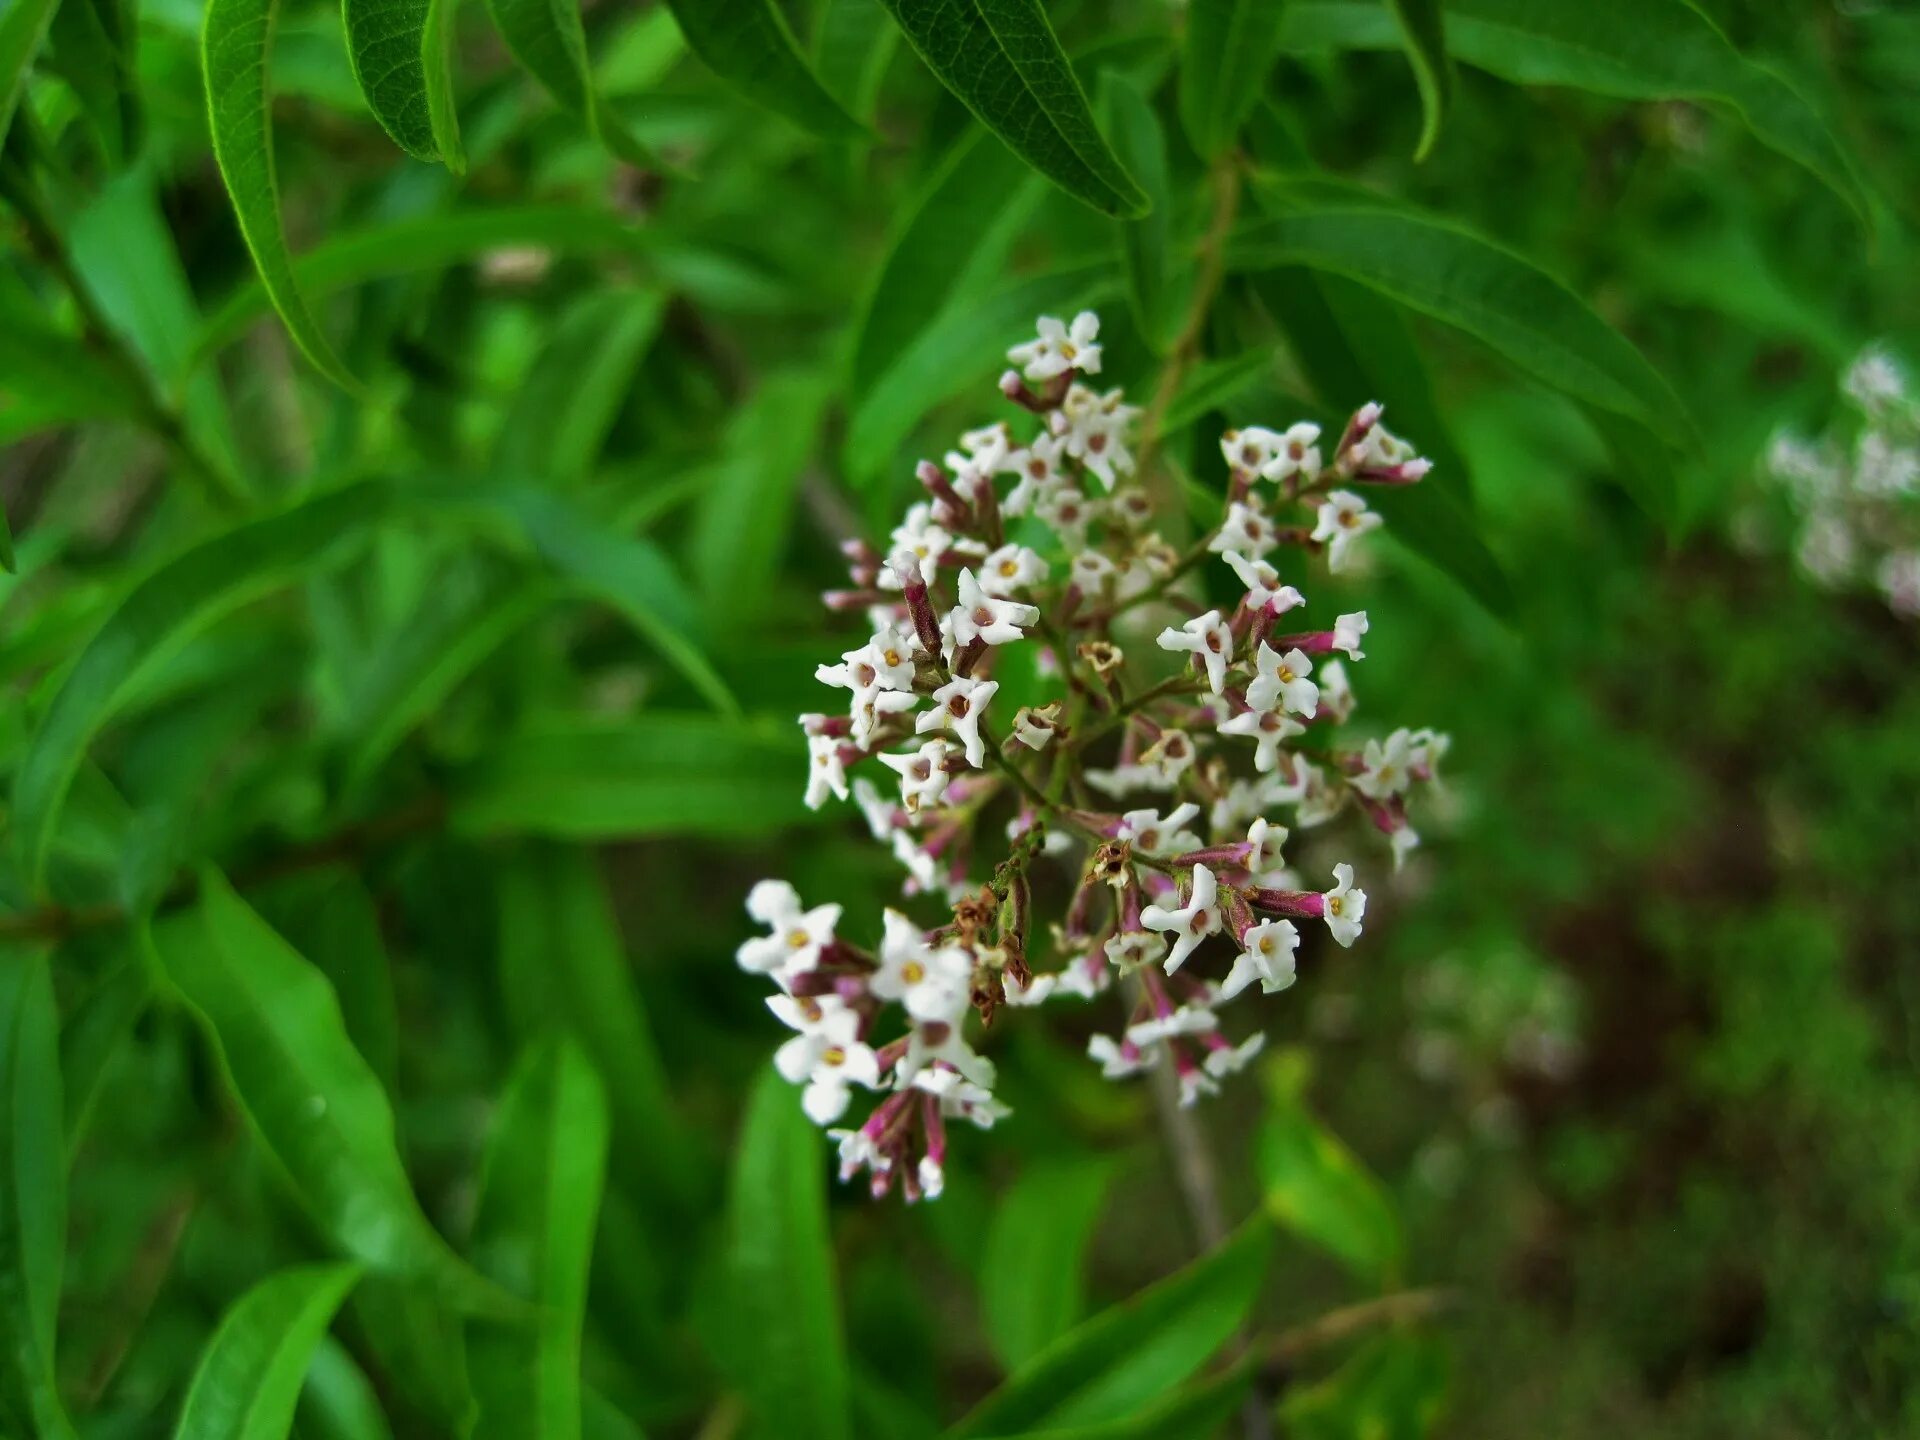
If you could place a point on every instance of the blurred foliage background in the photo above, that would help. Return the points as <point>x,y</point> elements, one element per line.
<point>474,682</point>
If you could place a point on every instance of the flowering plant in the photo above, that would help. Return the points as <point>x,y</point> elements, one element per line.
<point>1151,792</point>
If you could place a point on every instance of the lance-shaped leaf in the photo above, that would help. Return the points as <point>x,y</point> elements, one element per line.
<point>1003,60</point>
<point>33,1192</point>
<point>1031,1280</point>
<point>1423,32</point>
<point>1316,1187</point>
<point>533,1235</point>
<point>250,1376</point>
<point>749,44</point>
<point>312,1098</point>
<point>173,603</point>
<point>780,1259</point>
<point>399,50</point>
<point>91,46</point>
<point>1130,1355</point>
<point>23,27</point>
<point>549,41</point>
<point>1145,244</point>
<point>1229,51</point>
<point>234,46</point>
<point>1482,288</point>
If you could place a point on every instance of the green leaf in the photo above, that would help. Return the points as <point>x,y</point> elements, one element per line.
<point>656,774</point>
<point>234,48</point>
<point>1124,1358</point>
<point>958,352</point>
<point>852,46</point>
<point>1423,32</point>
<point>952,238</point>
<point>33,1193</point>
<point>1230,49</point>
<point>315,1103</point>
<point>1482,288</point>
<point>1215,385</point>
<point>1145,244</point>
<point>338,1402</point>
<point>563,412</point>
<point>1633,50</point>
<point>250,1376</point>
<point>1031,1281</point>
<point>748,44</point>
<point>23,27</point>
<point>563,967</point>
<point>1001,58</point>
<point>1200,1409</point>
<point>177,600</point>
<point>97,1032</point>
<point>7,562</point>
<point>533,1231</point>
<point>91,48</point>
<point>1314,1186</point>
<point>399,54</point>
<point>1392,1389</point>
<point>780,1264</point>
<point>740,528</point>
<point>548,40</point>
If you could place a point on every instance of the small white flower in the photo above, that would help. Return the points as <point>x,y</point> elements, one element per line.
<point>1828,549</point>
<point>881,812</point>
<point>1034,992</point>
<point>1264,590</point>
<point>1131,949</point>
<point>1250,449</point>
<point>1067,512</point>
<point>1094,428</point>
<point>1898,577</point>
<point>1336,692</point>
<point>1187,1020</point>
<point>1379,450</point>
<point>1403,841</point>
<point>826,771</point>
<point>1060,348</point>
<point>1192,922</point>
<point>980,616</point>
<point>987,446</point>
<point>830,1059</point>
<point>1232,1059</point>
<point>1298,453</point>
<point>923,778</point>
<point>1247,800</point>
<point>1345,906</point>
<point>1118,1060</point>
<point>1263,846</point>
<point>1209,637</point>
<point>932,982</point>
<point>1882,469</point>
<point>796,933</point>
<point>1282,682</point>
<point>1168,758</point>
<point>1037,474</point>
<point>929,1045</point>
<point>1132,508</point>
<point>961,1097</point>
<point>1152,834</point>
<point>1093,572</point>
<point>1034,726</point>
<point>1385,766</point>
<point>922,866</point>
<point>1320,799</point>
<point>858,1152</point>
<point>1268,729</point>
<point>921,540</point>
<point>958,706</point>
<point>1875,381</point>
<point>806,1013</point>
<point>1245,532</point>
<point>1266,955</point>
<point>1347,630</point>
<point>1195,1085</point>
<point>1430,746</point>
<point>1011,568</point>
<point>1123,780</point>
<point>871,707</point>
<point>890,654</point>
<point>1342,519</point>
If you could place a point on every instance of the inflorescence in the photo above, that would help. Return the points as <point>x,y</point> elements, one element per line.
<point>1134,770</point>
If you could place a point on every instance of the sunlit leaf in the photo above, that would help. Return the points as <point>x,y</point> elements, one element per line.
<point>250,1376</point>
<point>749,44</point>
<point>1031,1285</point>
<point>1124,1358</point>
<point>234,49</point>
<point>1002,59</point>
<point>533,1235</point>
<point>548,40</point>
<point>780,1269</point>
<point>1315,1187</point>
<point>23,28</point>
<point>338,1401</point>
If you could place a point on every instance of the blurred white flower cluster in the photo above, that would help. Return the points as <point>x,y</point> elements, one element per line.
<point>1042,716</point>
<point>1855,492</point>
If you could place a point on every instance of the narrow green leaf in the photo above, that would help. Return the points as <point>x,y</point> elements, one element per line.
<point>1001,58</point>
<point>1230,49</point>
<point>563,967</point>
<point>1317,1188</point>
<point>250,1376</point>
<point>90,46</point>
<point>1127,1356</point>
<point>169,606</point>
<point>23,28</point>
<point>852,46</point>
<point>657,774</point>
<point>33,1193</point>
<point>1031,1281</point>
<point>563,412</point>
<point>338,1402</point>
<point>399,54</point>
<point>548,40</point>
<point>97,1032</point>
<point>780,1257</point>
<point>1215,385</point>
<point>1489,292</point>
<point>315,1103</point>
<point>52,379</point>
<point>740,529</point>
<point>749,44</point>
<point>958,352</point>
<point>953,238</point>
<point>1145,244</point>
<point>1423,31</point>
<point>1392,1389</point>
<point>1633,50</point>
<point>1200,1409</point>
<point>533,1227</point>
<point>234,46</point>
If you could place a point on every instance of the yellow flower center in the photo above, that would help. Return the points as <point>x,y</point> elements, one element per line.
<point>913,972</point>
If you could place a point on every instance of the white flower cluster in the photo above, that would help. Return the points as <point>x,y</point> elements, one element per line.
<point>1858,510</point>
<point>1045,543</point>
